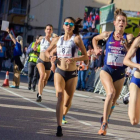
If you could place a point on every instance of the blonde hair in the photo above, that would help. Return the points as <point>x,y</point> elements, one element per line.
<point>118,12</point>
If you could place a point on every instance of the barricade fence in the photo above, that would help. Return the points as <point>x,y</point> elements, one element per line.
<point>99,89</point>
<point>93,84</point>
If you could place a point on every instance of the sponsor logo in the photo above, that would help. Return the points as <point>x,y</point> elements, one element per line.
<point>74,73</point>
<point>111,42</point>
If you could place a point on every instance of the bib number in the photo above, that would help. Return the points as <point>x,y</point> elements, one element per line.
<point>64,52</point>
<point>115,59</point>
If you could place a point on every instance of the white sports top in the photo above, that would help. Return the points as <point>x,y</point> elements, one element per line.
<point>67,49</point>
<point>44,44</point>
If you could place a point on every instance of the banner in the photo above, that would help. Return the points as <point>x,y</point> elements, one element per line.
<point>133,25</point>
<point>107,13</point>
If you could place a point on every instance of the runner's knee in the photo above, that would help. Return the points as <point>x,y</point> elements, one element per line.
<point>68,104</point>
<point>111,93</point>
<point>42,77</point>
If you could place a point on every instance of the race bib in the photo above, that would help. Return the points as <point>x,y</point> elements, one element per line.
<point>64,52</point>
<point>115,59</point>
<point>44,45</point>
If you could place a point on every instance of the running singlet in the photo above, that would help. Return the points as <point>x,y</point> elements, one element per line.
<point>115,53</point>
<point>44,44</point>
<point>138,55</point>
<point>66,49</point>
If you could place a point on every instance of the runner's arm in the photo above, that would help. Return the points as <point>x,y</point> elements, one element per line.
<point>79,43</point>
<point>102,36</point>
<point>127,60</point>
<point>51,47</point>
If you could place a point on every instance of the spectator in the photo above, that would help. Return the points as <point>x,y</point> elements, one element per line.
<point>33,52</point>
<point>91,72</point>
<point>17,52</point>
<point>24,71</point>
<point>82,74</point>
<point>2,54</point>
<point>85,37</point>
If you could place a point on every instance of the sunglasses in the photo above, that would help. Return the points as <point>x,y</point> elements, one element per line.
<point>67,23</point>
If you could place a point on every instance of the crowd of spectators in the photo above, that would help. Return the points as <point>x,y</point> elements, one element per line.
<point>86,73</point>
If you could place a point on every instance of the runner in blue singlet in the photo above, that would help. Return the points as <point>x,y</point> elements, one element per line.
<point>134,88</point>
<point>113,72</point>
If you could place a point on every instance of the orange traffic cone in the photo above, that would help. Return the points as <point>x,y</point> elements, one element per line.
<point>6,81</point>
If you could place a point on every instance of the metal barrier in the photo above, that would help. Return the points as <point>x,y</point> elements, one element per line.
<point>125,88</point>
<point>100,89</point>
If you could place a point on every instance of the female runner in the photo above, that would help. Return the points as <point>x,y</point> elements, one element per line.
<point>134,88</point>
<point>113,73</point>
<point>65,77</point>
<point>43,63</point>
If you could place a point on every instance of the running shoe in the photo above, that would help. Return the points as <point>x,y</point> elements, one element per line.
<point>33,89</point>
<point>59,131</point>
<point>64,120</point>
<point>37,95</point>
<point>39,99</point>
<point>126,98</point>
<point>29,86</point>
<point>103,128</point>
<point>12,86</point>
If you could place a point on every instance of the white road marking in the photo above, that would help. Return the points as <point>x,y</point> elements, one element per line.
<point>53,91</point>
<point>52,110</point>
<point>28,99</point>
<point>100,97</point>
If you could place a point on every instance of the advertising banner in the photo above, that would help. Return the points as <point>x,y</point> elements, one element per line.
<point>107,13</point>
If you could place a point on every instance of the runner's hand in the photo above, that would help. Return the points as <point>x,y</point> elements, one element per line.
<point>98,51</point>
<point>53,67</point>
<point>53,58</point>
<point>35,48</point>
<point>123,41</point>
<point>69,60</point>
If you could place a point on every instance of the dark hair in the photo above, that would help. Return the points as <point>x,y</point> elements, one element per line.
<point>77,24</point>
<point>119,12</point>
<point>37,37</point>
<point>49,25</point>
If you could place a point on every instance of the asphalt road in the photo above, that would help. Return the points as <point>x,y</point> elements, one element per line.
<point>22,118</point>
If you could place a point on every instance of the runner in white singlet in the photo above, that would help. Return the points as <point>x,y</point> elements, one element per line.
<point>65,78</point>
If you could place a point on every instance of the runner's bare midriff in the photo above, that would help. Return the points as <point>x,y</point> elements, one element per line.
<point>43,57</point>
<point>66,67</point>
<point>137,73</point>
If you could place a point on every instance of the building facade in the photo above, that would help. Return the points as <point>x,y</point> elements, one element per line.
<point>29,17</point>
